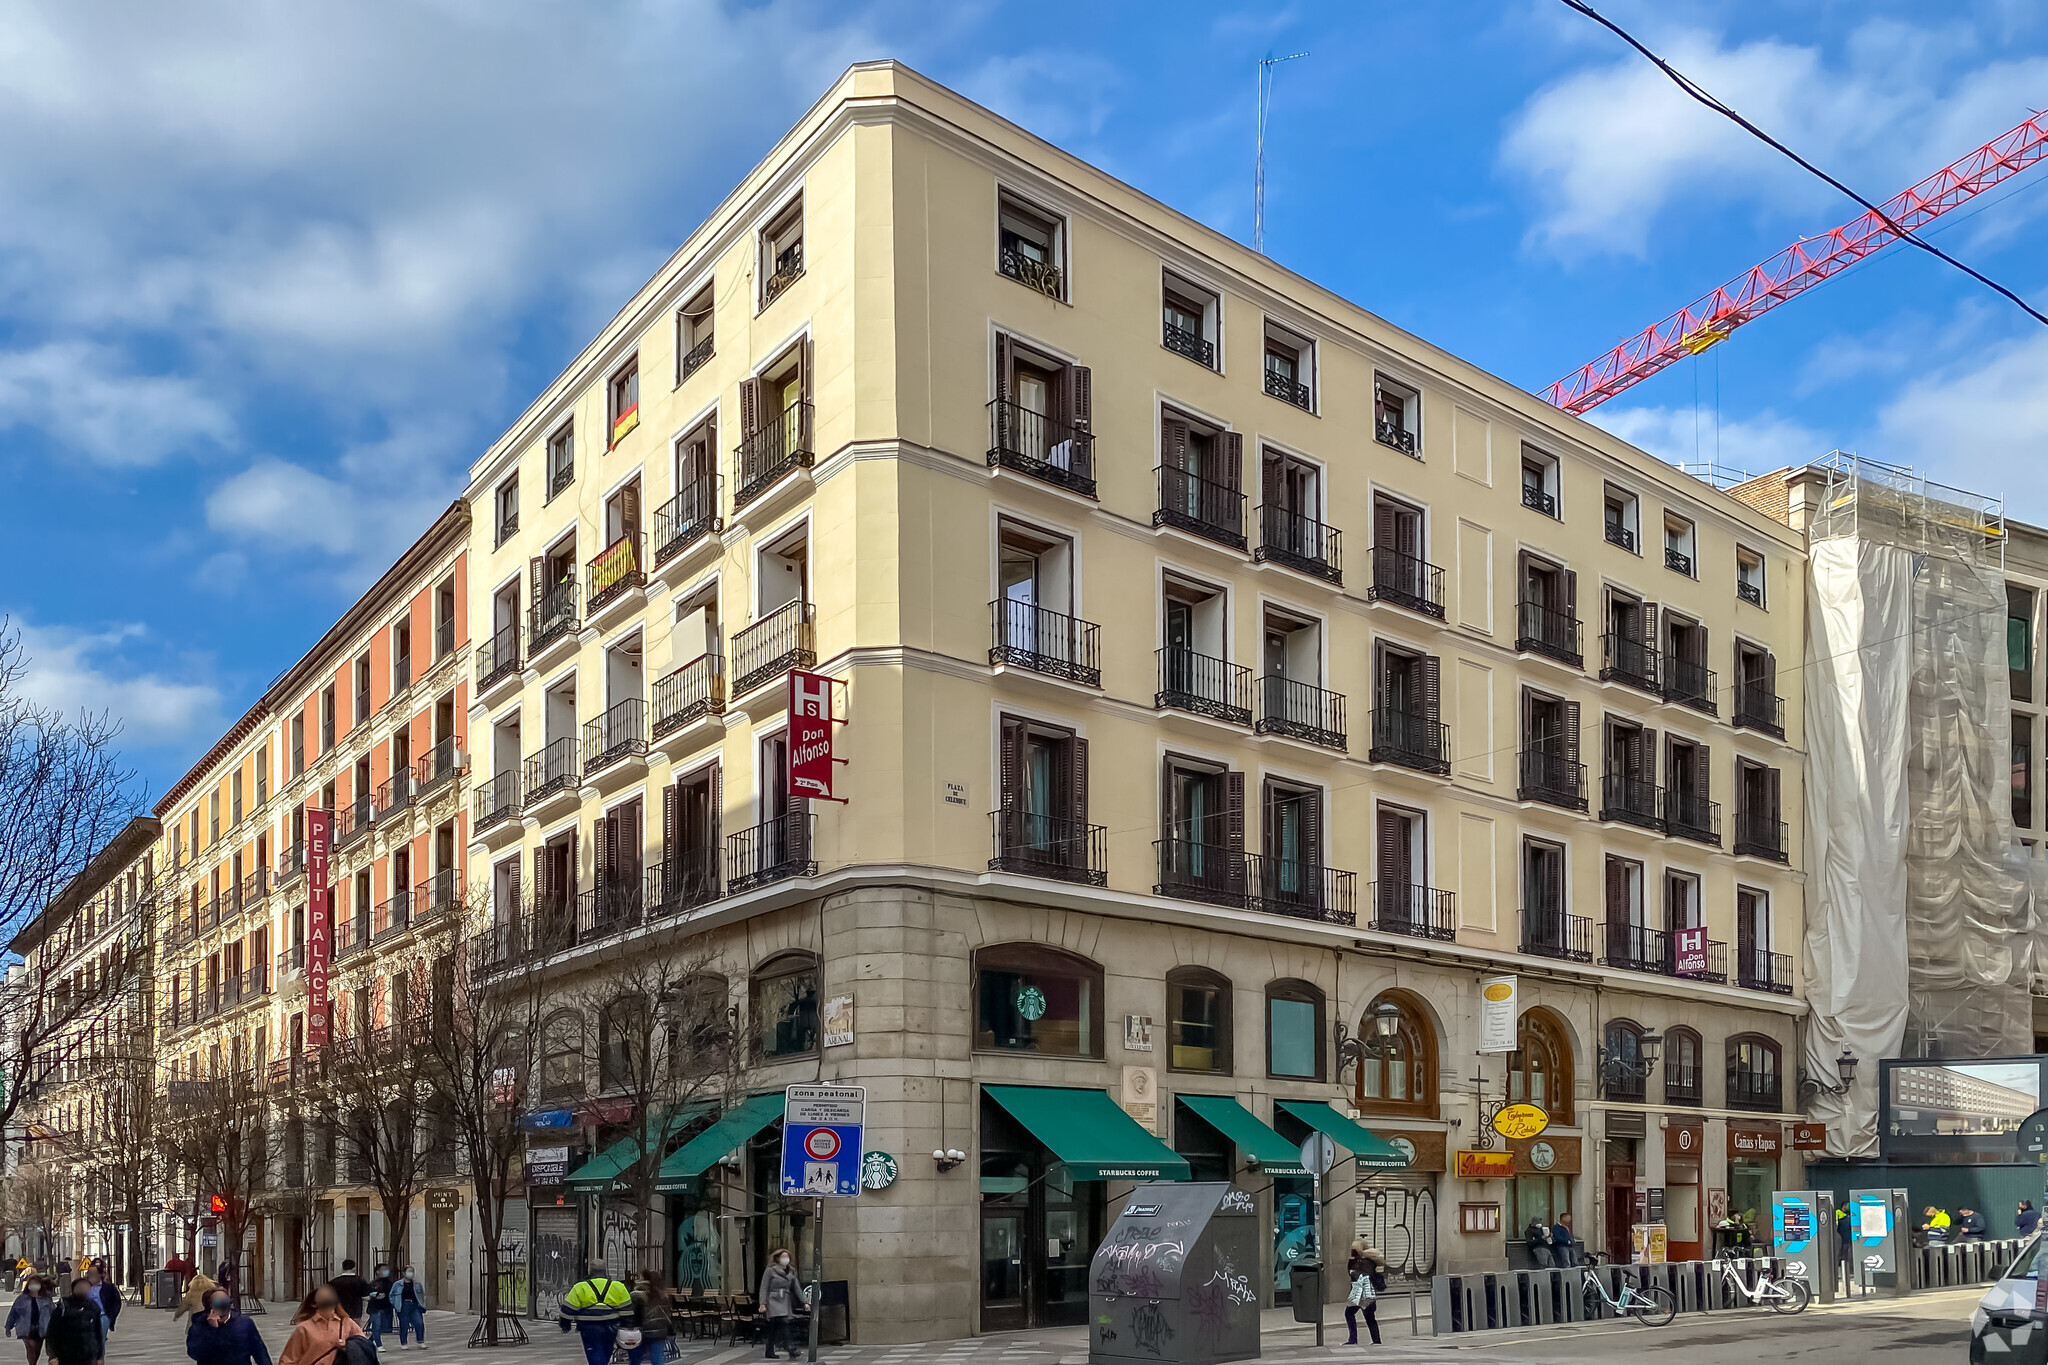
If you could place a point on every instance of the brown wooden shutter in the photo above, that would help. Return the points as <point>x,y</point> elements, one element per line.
<point>1528,728</point>
<point>1699,648</point>
<point>537,566</point>
<point>1230,454</point>
<point>1077,791</point>
<point>1006,369</point>
<point>1173,442</point>
<point>1522,577</point>
<point>1649,768</point>
<point>1379,675</point>
<point>750,407</point>
<point>806,369</point>
<point>1382,524</point>
<point>1650,635</point>
<point>1745,924</point>
<point>671,833</point>
<point>1312,835</point>
<point>1269,480</point>
<point>1702,775</point>
<point>538,892</point>
<point>1571,732</point>
<point>1010,761</point>
<point>1233,828</point>
<point>1777,812</point>
<point>1167,813</point>
<point>629,510</point>
<point>1432,687</point>
<point>1742,767</point>
<point>1770,676</point>
<point>1081,397</point>
<point>1617,893</point>
<point>1393,868</point>
<point>1571,592</point>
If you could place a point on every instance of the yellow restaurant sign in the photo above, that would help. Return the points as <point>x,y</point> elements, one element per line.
<point>1521,1121</point>
<point>1471,1165</point>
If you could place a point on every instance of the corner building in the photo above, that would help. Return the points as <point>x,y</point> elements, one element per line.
<point>1232,681</point>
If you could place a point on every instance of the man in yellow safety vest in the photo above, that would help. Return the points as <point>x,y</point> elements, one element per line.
<point>593,1306</point>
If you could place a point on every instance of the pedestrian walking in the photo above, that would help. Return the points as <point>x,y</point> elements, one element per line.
<point>78,1334</point>
<point>1367,1267</point>
<point>409,1306</point>
<point>109,1295</point>
<point>224,1336</point>
<point>651,1316</point>
<point>350,1289</point>
<point>780,1292</point>
<point>194,1299</point>
<point>1563,1244</point>
<point>2027,1219</point>
<point>29,1320</point>
<point>321,1332</point>
<point>593,1307</point>
<point>379,1305</point>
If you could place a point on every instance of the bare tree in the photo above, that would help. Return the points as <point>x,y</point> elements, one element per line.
<point>39,1195</point>
<point>216,1133</point>
<point>120,1146</point>
<point>381,1093</point>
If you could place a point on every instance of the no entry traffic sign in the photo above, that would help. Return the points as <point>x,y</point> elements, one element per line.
<point>821,1140</point>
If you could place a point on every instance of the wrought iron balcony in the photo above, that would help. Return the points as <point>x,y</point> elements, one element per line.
<point>1188,502</point>
<point>781,445</point>
<point>1025,635</point>
<point>291,864</point>
<point>1617,534</point>
<point>1752,593</point>
<point>291,960</point>
<point>255,886</point>
<point>396,793</point>
<point>689,693</point>
<point>1630,661</point>
<point>1207,687</point>
<point>694,358</point>
<point>1690,684</point>
<point>1758,708</point>
<point>554,619</point>
<point>1031,844</point>
<point>683,880</point>
<point>687,518</point>
<point>494,801</point>
<point>497,948</point>
<point>1191,870</point>
<point>551,770</point>
<point>1299,890</point>
<point>1300,543</point>
<point>1289,390</point>
<point>1638,948</point>
<point>401,673</point>
<point>778,642</point>
<point>615,571</point>
<point>560,477</point>
<point>1035,444</point>
<point>1632,801</point>
<point>1029,271</point>
<point>1678,561</point>
<point>1760,835</point>
<point>1551,633</point>
<point>393,916</point>
<point>1688,815</point>
<point>1406,581</point>
<point>440,763</point>
<point>1390,433</point>
<point>1549,932</point>
<point>1181,341</point>
<point>770,852</point>
<point>351,934</point>
<point>256,981</point>
<point>436,896</point>
<point>352,822</point>
<point>1300,711</point>
<point>610,908</point>
<point>1759,969</point>
<point>789,268</point>
<point>1412,739</point>
<point>1749,1089</point>
<point>621,732</point>
<point>1417,911</point>
<point>1536,500</point>
<point>508,527</point>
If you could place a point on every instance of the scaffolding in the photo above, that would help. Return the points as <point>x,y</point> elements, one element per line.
<point>1920,933</point>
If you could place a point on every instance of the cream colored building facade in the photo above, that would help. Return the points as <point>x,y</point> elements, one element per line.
<point>1222,665</point>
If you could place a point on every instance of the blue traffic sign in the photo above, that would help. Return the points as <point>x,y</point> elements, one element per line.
<point>821,1140</point>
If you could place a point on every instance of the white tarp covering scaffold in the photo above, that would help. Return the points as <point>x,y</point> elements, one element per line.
<point>1918,916</point>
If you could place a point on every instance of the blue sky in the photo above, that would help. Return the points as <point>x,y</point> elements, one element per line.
<point>272,274</point>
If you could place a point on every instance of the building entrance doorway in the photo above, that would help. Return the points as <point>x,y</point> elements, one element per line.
<point>1039,1228</point>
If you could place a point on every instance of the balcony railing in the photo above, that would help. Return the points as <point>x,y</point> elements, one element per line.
<point>1031,844</point>
<point>1638,948</point>
<point>1678,561</point>
<point>291,960</point>
<point>1195,871</point>
<point>560,476</point>
<point>255,886</point>
<point>1759,708</point>
<point>1714,969</point>
<point>1760,835</point>
<point>615,571</point>
<point>351,934</point>
<point>1406,581</point>
<point>1289,390</point>
<point>1181,341</point>
<point>1550,932</point>
<point>687,518</point>
<point>1759,969</point>
<point>1536,500</point>
<point>1617,534</point>
<point>1752,593</point>
<point>1688,815</point>
<point>1029,271</point>
<point>256,981</point>
<point>553,619</point>
<point>440,763</point>
<point>690,693</point>
<point>1208,687</point>
<point>1631,801</point>
<point>498,657</point>
<point>1199,506</point>
<point>782,444</point>
<point>778,642</point>
<point>1628,660</point>
<point>1749,1089</point>
<point>494,801</point>
<point>352,822</point>
<point>1389,432</point>
<point>770,852</point>
<point>1417,911</point>
<point>620,732</point>
<point>1025,635</point>
<point>1553,634</point>
<point>694,358</point>
<point>393,916</point>
<point>291,864</point>
<point>1690,684</point>
<point>1035,444</point>
<point>684,880</point>
<point>789,268</point>
<point>551,770</point>
<point>1412,739</point>
<point>1299,890</point>
<point>436,895</point>
<point>508,526</point>
<point>395,793</point>
<point>401,673</point>
<point>1299,542</point>
<point>609,908</point>
<point>1301,711</point>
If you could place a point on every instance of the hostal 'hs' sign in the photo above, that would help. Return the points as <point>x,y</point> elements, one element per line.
<point>810,735</point>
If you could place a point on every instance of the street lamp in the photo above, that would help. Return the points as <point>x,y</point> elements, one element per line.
<point>1845,1067</point>
<point>1382,1026</point>
<point>1632,1072</point>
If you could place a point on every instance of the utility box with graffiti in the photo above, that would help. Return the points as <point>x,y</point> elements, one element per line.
<point>1176,1278</point>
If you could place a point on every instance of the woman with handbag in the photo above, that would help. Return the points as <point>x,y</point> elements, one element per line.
<point>651,1317</point>
<point>1367,1266</point>
<point>778,1299</point>
<point>322,1334</point>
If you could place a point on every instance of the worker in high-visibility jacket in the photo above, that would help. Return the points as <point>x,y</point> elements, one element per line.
<point>1935,1229</point>
<point>593,1306</point>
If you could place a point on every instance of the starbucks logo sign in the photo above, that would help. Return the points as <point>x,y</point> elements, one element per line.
<point>1031,1002</point>
<point>877,1171</point>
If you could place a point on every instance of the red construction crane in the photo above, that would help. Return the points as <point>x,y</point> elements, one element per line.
<point>1798,267</point>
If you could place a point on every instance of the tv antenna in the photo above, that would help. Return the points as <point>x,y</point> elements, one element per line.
<point>1266,65</point>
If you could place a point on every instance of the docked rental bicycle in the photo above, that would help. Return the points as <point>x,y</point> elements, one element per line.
<point>1649,1304</point>
<point>1781,1296</point>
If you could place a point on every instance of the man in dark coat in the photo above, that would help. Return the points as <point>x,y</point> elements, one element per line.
<point>77,1332</point>
<point>350,1288</point>
<point>223,1336</point>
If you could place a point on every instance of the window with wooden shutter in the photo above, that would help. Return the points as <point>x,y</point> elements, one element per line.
<point>1432,688</point>
<point>1081,397</point>
<point>1233,828</point>
<point>1173,442</point>
<point>750,406</point>
<point>1230,459</point>
<point>1077,777</point>
<point>1006,369</point>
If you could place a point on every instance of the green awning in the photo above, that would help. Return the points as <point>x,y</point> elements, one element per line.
<point>1256,1142</point>
<point>1365,1147</point>
<point>689,1162</point>
<point>1092,1137</point>
<point>609,1165</point>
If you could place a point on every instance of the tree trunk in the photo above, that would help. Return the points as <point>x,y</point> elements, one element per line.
<point>398,1231</point>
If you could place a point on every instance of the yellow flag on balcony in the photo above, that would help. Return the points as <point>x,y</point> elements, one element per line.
<point>625,422</point>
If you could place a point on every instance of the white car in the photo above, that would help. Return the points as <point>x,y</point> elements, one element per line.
<point>2010,1324</point>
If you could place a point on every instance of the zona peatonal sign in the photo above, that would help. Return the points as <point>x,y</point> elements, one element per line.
<point>821,1140</point>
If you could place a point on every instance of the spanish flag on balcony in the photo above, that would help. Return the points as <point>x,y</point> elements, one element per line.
<point>625,422</point>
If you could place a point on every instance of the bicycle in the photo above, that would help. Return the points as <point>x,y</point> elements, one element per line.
<point>1649,1304</point>
<point>1782,1296</point>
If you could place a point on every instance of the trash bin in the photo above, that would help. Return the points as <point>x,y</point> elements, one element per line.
<point>1305,1281</point>
<point>1174,1278</point>
<point>167,1292</point>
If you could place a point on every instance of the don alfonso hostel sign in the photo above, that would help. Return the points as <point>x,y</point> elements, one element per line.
<point>810,736</point>
<point>319,923</point>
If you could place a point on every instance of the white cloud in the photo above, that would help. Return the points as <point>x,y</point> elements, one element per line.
<point>85,397</point>
<point>1685,435</point>
<point>91,670</point>
<point>1980,423</point>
